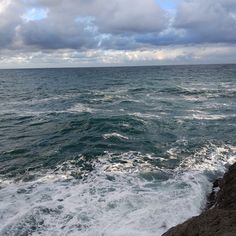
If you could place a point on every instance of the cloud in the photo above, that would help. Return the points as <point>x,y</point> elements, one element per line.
<point>135,16</point>
<point>207,20</point>
<point>206,53</point>
<point>91,24</point>
<point>79,24</point>
<point>48,27</point>
<point>10,13</point>
<point>116,16</point>
<point>46,34</point>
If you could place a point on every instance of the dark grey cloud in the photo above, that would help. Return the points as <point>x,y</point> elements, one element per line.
<point>115,16</point>
<point>10,13</point>
<point>47,34</point>
<point>81,24</point>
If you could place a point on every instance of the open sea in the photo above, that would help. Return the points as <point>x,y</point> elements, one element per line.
<point>128,151</point>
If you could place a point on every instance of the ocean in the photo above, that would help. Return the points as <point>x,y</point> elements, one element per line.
<point>125,151</point>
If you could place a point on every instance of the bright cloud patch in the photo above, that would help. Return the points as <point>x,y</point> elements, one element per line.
<point>4,4</point>
<point>164,55</point>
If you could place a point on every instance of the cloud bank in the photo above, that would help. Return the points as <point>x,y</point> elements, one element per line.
<point>86,32</point>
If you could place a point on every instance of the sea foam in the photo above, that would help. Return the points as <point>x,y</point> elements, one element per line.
<point>115,199</point>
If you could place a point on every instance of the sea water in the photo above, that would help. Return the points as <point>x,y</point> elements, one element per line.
<point>126,151</point>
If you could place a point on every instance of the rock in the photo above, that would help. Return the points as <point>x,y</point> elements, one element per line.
<point>219,220</point>
<point>211,199</point>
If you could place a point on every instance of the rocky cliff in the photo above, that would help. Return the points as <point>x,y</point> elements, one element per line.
<point>220,219</point>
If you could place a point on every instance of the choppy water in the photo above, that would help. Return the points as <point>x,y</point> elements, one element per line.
<point>112,151</point>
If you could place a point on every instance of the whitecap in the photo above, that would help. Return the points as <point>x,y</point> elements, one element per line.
<point>145,115</point>
<point>79,108</point>
<point>116,135</point>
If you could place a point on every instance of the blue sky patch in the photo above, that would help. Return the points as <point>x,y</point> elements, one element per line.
<point>35,14</point>
<point>167,4</point>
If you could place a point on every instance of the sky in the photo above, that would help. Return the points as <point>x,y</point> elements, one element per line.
<point>81,33</point>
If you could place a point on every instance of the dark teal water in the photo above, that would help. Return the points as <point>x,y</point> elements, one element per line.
<point>82,125</point>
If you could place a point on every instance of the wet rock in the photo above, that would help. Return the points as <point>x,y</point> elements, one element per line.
<point>219,220</point>
<point>211,199</point>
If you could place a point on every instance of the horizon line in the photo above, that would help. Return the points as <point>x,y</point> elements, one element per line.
<point>117,66</point>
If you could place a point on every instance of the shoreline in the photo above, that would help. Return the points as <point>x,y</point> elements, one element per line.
<point>219,219</point>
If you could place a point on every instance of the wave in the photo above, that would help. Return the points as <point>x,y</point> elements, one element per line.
<point>124,195</point>
<point>35,101</point>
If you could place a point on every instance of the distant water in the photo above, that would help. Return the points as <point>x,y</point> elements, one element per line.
<point>112,151</point>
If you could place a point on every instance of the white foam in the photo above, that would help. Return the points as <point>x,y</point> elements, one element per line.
<point>211,158</point>
<point>111,201</point>
<point>124,206</point>
<point>211,116</point>
<point>79,108</point>
<point>203,115</point>
<point>116,135</point>
<point>145,115</point>
<point>193,98</point>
